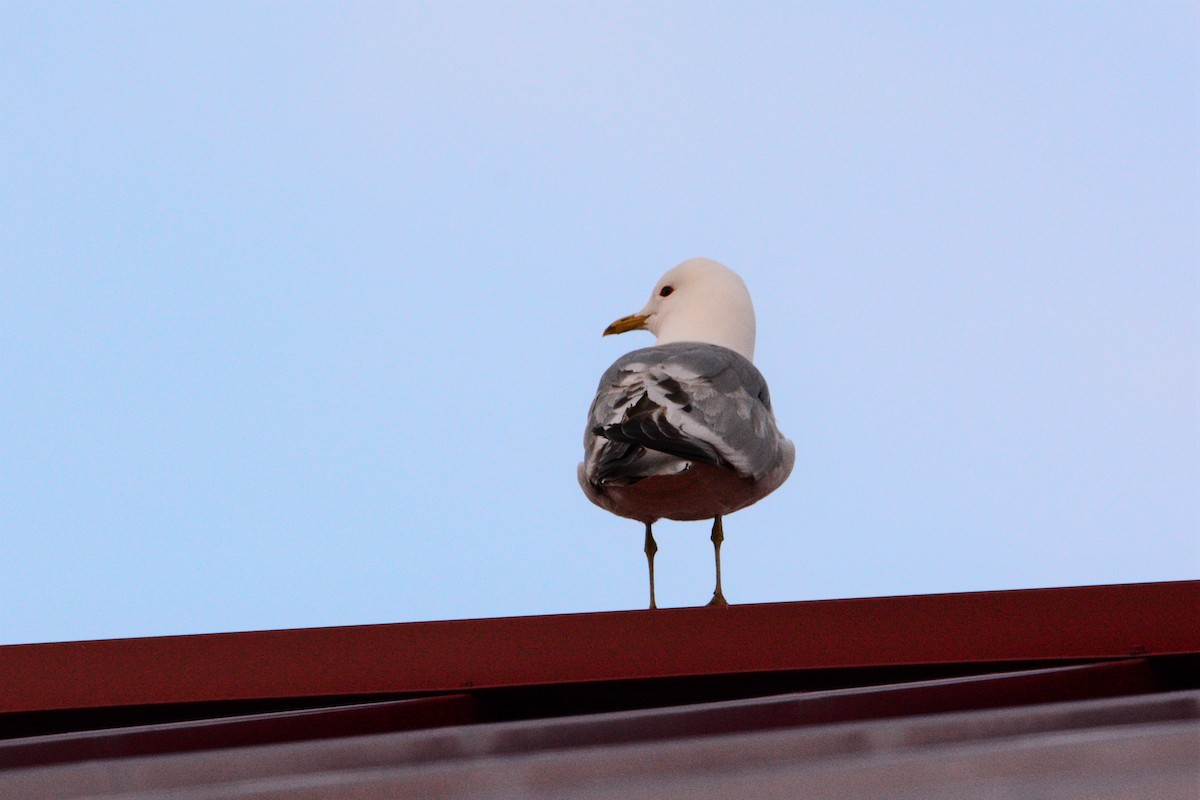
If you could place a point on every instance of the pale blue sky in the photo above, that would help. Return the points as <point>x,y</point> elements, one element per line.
<point>300,304</point>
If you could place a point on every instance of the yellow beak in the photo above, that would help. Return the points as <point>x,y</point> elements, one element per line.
<point>634,322</point>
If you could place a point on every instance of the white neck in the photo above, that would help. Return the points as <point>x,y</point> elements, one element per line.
<point>732,327</point>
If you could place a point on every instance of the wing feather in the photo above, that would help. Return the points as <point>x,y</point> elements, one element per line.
<point>661,408</point>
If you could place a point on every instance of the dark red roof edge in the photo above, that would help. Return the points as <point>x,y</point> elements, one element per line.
<point>1083,682</point>
<point>1026,626</point>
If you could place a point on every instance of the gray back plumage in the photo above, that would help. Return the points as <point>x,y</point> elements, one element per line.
<point>660,408</point>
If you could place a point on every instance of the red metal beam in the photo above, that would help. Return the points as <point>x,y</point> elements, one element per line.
<point>1028,626</point>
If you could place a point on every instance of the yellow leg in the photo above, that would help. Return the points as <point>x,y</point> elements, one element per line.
<point>718,536</point>
<point>651,549</point>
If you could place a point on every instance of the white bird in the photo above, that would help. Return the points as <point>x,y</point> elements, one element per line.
<point>684,430</point>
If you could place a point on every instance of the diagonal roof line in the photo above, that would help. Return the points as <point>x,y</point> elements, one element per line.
<point>979,628</point>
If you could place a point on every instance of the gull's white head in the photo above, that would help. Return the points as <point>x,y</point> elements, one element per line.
<point>698,301</point>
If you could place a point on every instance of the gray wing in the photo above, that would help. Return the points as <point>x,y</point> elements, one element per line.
<point>660,408</point>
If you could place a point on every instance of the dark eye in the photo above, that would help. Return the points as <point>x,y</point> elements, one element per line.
<point>666,290</point>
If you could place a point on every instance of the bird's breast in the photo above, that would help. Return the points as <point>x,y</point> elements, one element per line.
<point>702,491</point>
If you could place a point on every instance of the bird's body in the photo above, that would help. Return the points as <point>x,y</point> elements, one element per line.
<point>684,430</point>
<point>681,431</point>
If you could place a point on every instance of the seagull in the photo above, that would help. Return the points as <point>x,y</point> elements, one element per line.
<point>684,430</point>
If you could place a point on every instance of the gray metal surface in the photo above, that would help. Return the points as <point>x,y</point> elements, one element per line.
<point>1143,746</point>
